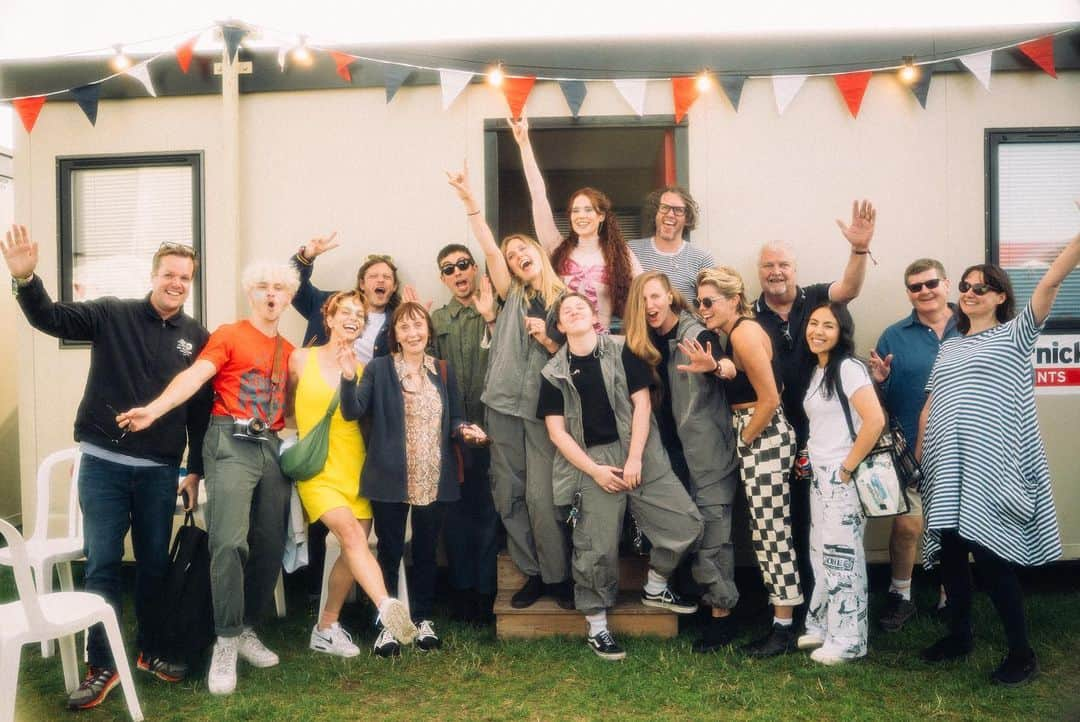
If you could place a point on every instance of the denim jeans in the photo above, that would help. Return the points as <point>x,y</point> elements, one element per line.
<point>116,497</point>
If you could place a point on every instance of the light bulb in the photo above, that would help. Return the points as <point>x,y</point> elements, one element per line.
<point>301,55</point>
<point>909,73</point>
<point>495,76</point>
<point>704,81</point>
<point>119,62</point>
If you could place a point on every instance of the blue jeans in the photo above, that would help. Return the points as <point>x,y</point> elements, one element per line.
<point>114,498</point>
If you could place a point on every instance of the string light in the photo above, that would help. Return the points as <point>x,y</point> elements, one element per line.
<point>704,81</point>
<point>119,62</point>
<point>909,73</point>
<point>301,54</point>
<point>495,76</point>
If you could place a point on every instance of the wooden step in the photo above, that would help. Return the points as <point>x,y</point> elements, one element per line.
<point>545,618</point>
<point>632,573</point>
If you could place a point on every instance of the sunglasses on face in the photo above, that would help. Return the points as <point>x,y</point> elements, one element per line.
<point>462,264</point>
<point>931,284</point>
<point>979,289</point>
<point>707,302</point>
<point>664,208</point>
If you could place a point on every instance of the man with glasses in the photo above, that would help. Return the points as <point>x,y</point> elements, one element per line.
<point>462,338</point>
<point>126,480</point>
<point>901,365</point>
<point>674,212</point>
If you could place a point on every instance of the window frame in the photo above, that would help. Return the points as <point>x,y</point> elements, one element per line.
<point>993,139</point>
<point>66,166</point>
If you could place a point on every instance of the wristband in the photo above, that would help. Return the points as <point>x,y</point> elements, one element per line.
<point>302,258</point>
<point>860,253</point>
<point>476,212</point>
<point>848,471</point>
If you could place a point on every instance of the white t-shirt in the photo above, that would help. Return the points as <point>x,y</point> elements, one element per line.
<point>365,345</point>
<point>830,441</point>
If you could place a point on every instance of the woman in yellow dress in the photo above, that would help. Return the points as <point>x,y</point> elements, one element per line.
<point>333,495</point>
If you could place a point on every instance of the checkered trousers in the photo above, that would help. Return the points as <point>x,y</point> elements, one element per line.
<point>765,467</point>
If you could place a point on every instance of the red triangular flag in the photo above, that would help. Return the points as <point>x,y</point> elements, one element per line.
<point>516,90</point>
<point>685,92</point>
<point>1042,52</point>
<point>852,87</point>
<point>184,52</point>
<point>28,109</point>
<point>343,61</point>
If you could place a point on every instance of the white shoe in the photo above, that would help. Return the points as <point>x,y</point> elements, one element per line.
<point>827,657</point>
<point>809,641</point>
<point>385,644</point>
<point>254,652</point>
<point>394,617</point>
<point>222,676</point>
<point>333,640</point>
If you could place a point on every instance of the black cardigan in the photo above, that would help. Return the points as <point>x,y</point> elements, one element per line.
<point>378,398</point>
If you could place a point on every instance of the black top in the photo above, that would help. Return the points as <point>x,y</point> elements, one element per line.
<point>665,417</point>
<point>597,416</point>
<point>789,347</point>
<point>739,389</point>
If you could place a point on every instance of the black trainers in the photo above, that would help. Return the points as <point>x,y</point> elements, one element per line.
<point>719,632</point>
<point>95,687</point>
<point>426,639</point>
<point>385,644</point>
<point>605,646</point>
<point>780,640</point>
<point>528,594</point>
<point>947,649</point>
<point>896,613</point>
<point>668,600</point>
<point>563,592</point>
<point>1016,669</point>
<point>162,669</point>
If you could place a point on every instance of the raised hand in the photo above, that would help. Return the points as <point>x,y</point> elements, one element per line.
<point>409,295</point>
<point>346,360</point>
<point>701,359</point>
<point>880,367</point>
<point>460,182</point>
<point>317,246</point>
<point>861,231</point>
<point>20,253</point>
<point>485,298</point>
<point>520,128</point>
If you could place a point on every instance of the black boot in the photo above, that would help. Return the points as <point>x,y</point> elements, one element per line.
<point>528,594</point>
<point>719,632</point>
<point>563,593</point>
<point>781,640</point>
<point>1016,669</point>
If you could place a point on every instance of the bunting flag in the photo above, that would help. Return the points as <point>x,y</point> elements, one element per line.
<point>979,65</point>
<point>28,110</point>
<point>184,53</point>
<point>516,91</point>
<point>141,72</point>
<point>232,36</point>
<point>394,76</point>
<point>87,98</point>
<point>785,87</point>
<point>343,61</point>
<point>733,85</point>
<point>684,92</point>
<point>853,86</point>
<point>921,86</point>
<point>1041,51</point>
<point>574,92</point>
<point>633,92</point>
<point>453,82</point>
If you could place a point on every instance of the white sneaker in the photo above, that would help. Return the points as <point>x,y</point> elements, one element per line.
<point>385,644</point>
<point>826,657</point>
<point>333,640</point>
<point>222,676</point>
<point>809,641</point>
<point>426,639</point>
<point>253,651</point>
<point>394,617</point>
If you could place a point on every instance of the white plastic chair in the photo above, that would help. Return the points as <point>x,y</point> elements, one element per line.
<point>39,617</point>
<point>333,551</point>
<point>45,553</point>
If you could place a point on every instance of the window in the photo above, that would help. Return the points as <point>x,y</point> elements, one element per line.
<point>115,213</point>
<point>1033,178</point>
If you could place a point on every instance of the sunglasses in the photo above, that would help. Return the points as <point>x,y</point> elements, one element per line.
<point>979,289</point>
<point>931,284</point>
<point>462,264</point>
<point>664,208</point>
<point>707,302</point>
<point>182,249</point>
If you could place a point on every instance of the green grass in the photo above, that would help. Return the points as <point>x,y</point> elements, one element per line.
<point>477,678</point>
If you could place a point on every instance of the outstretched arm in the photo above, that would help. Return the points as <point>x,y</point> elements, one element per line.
<point>1042,298</point>
<point>496,263</point>
<point>543,219</point>
<point>180,389</point>
<point>858,234</point>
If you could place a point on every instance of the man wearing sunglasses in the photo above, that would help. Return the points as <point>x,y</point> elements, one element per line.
<point>674,212</point>
<point>462,338</point>
<point>126,481</point>
<point>901,365</point>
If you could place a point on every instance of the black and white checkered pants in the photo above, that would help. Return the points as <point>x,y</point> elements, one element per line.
<point>765,467</point>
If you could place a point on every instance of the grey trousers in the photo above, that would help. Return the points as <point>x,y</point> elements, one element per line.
<point>713,566</point>
<point>536,533</point>
<point>664,512</point>
<point>247,498</point>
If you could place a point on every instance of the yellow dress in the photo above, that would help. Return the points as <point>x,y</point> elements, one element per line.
<point>339,482</point>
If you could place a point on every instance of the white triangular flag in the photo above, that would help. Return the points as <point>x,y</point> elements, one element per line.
<point>633,91</point>
<point>453,82</point>
<point>281,53</point>
<point>141,73</point>
<point>979,65</point>
<point>785,88</point>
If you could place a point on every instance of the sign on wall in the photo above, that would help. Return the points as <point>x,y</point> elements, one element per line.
<point>1057,364</point>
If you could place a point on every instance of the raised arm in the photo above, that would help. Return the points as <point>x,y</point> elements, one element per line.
<point>543,219</point>
<point>355,397</point>
<point>1042,298</point>
<point>496,263</point>
<point>185,385</point>
<point>309,299</point>
<point>858,234</point>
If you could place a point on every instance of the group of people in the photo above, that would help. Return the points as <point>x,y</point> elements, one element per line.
<point>580,382</point>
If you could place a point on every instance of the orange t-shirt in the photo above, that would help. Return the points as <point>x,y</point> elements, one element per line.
<point>244,358</point>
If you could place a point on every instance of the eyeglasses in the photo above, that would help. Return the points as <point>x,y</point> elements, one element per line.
<point>663,209</point>
<point>707,302</point>
<point>462,264</point>
<point>179,249</point>
<point>979,289</point>
<point>931,284</point>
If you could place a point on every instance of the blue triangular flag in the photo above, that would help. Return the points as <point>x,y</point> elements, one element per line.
<point>574,92</point>
<point>733,85</point>
<point>87,98</point>
<point>232,35</point>
<point>921,87</point>
<point>394,76</point>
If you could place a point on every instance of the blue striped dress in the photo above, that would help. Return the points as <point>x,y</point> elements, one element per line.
<point>984,460</point>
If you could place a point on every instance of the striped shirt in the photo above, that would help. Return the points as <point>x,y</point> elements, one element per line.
<point>681,267</point>
<point>985,463</point>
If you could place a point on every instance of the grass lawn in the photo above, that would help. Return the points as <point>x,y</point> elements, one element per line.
<point>477,678</point>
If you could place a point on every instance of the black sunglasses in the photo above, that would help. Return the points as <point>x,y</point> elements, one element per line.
<point>931,284</point>
<point>707,302</point>
<point>979,289</point>
<point>462,264</point>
